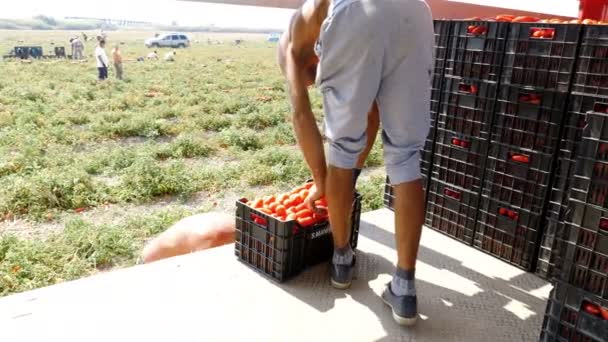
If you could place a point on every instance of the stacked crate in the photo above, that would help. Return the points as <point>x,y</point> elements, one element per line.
<point>582,253</point>
<point>590,85</point>
<point>536,77</point>
<point>578,305</point>
<point>469,91</point>
<point>443,29</point>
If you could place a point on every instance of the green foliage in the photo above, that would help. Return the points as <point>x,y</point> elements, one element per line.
<point>372,191</point>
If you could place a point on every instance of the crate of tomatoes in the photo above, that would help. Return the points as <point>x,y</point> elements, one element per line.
<point>279,236</point>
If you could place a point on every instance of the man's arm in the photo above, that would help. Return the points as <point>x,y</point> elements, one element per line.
<point>303,33</point>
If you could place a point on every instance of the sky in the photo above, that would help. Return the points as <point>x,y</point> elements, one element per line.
<point>157,11</point>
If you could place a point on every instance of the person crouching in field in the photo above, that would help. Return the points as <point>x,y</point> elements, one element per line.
<point>191,234</point>
<point>117,59</point>
<point>170,56</point>
<point>102,60</point>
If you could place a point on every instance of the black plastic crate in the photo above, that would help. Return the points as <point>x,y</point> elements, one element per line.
<point>570,139</point>
<point>574,315</point>
<point>477,49</point>
<point>467,106</point>
<point>591,74</point>
<point>507,232</point>
<point>281,250</point>
<point>583,255</point>
<point>443,31</point>
<point>541,55</point>
<point>528,119</point>
<point>459,160</point>
<point>516,176</point>
<point>548,254</point>
<point>451,210</point>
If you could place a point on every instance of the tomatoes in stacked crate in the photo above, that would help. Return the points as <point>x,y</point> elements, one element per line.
<point>291,207</point>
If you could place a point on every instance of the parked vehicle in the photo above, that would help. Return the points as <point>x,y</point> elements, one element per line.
<point>172,40</point>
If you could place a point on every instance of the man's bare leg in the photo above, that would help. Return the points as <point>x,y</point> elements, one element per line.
<point>373,124</point>
<point>340,186</point>
<point>339,192</point>
<point>409,217</point>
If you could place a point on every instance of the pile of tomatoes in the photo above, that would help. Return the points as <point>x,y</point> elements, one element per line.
<point>526,19</point>
<point>291,206</point>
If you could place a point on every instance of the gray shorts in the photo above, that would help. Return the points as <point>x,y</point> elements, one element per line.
<point>377,50</point>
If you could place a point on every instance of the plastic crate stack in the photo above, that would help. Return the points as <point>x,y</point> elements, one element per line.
<point>578,305</point>
<point>590,86</point>
<point>535,81</point>
<point>463,126</point>
<point>443,29</point>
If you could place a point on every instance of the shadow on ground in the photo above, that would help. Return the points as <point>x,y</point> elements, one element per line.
<point>456,303</point>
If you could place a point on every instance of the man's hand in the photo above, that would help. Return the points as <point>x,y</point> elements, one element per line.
<point>315,194</point>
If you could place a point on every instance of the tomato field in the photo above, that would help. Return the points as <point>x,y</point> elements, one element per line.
<point>89,171</point>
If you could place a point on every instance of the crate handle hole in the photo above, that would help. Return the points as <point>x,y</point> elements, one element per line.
<point>519,158</point>
<point>460,143</point>
<point>452,194</point>
<point>594,309</point>
<point>477,30</point>
<point>530,98</point>
<point>604,223</point>
<point>259,220</point>
<point>599,107</point>
<point>468,88</point>
<point>511,214</point>
<point>542,33</point>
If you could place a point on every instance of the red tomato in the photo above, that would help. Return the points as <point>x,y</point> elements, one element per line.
<point>280,210</point>
<point>471,28</point>
<point>308,186</point>
<point>292,210</point>
<point>301,206</point>
<point>269,199</point>
<point>258,203</point>
<point>589,22</point>
<point>322,201</point>
<point>525,19</point>
<point>297,190</point>
<point>266,211</point>
<point>304,195</point>
<point>291,217</point>
<point>273,207</point>
<point>604,313</point>
<point>295,199</point>
<point>505,17</point>
<point>306,221</point>
<point>538,34</point>
<point>304,213</point>
<point>503,212</point>
<point>282,198</point>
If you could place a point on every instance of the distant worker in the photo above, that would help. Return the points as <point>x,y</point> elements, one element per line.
<point>102,60</point>
<point>153,55</point>
<point>170,56</point>
<point>85,38</point>
<point>117,59</point>
<point>77,48</point>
